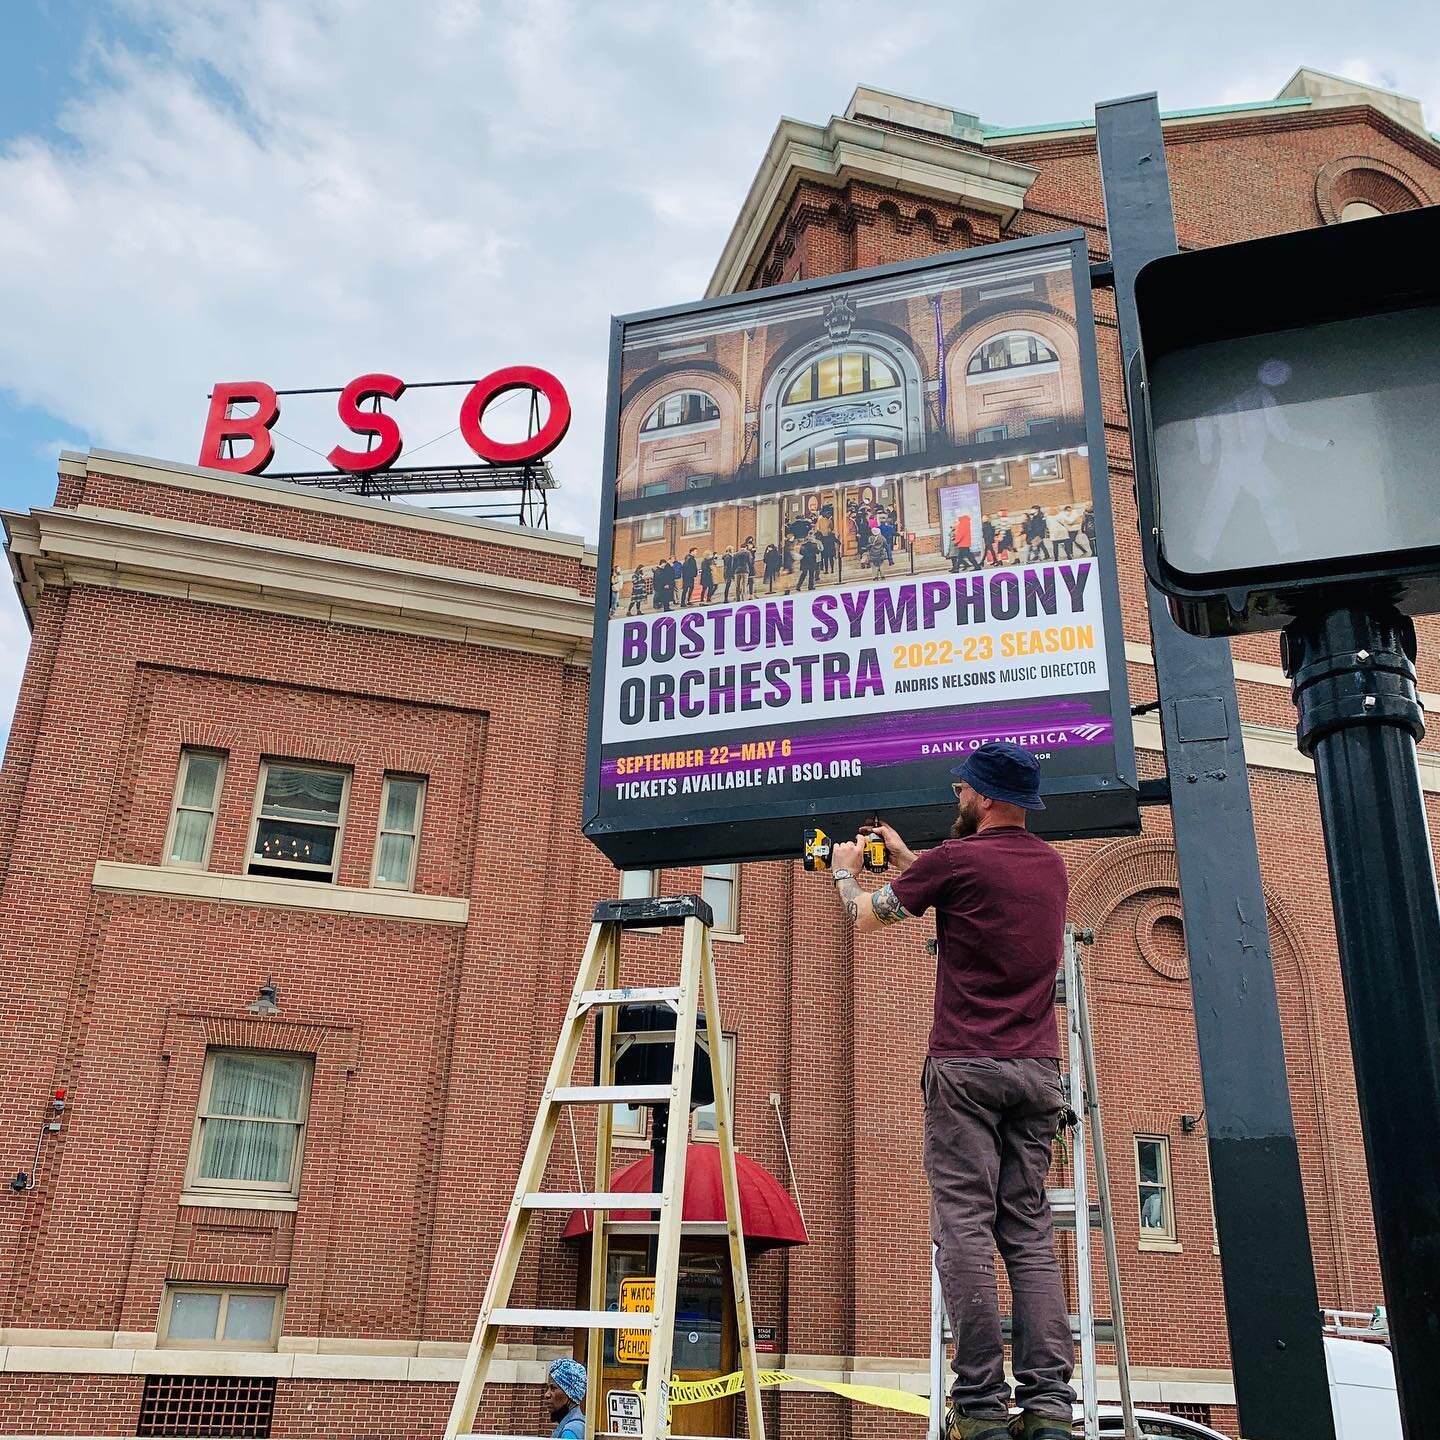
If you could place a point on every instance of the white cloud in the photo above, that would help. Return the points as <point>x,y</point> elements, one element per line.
<point>299,191</point>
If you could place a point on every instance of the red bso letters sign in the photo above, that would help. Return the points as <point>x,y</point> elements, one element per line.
<point>223,430</point>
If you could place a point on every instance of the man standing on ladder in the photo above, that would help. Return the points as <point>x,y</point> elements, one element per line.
<point>993,1096</point>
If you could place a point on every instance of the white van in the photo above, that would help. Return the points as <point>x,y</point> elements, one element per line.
<point>1362,1396</point>
<point>1362,1389</point>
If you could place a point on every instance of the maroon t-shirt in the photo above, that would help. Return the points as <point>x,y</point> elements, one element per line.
<point>999,900</point>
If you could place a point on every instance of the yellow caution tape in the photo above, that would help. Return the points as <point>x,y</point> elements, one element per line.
<point>694,1392</point>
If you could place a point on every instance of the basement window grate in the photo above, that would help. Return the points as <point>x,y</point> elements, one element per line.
<point>206,1405</point>
<point>1199,1413</point>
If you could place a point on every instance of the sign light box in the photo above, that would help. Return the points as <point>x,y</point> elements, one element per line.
<point>853,528</point>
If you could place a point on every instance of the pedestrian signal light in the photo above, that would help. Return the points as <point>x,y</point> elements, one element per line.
<point>1286,401</point>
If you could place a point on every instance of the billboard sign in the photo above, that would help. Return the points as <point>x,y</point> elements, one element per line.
<point>854,528</point>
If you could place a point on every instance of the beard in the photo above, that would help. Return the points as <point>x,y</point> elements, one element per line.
<point>967,822</point>
<point>559,1412</point>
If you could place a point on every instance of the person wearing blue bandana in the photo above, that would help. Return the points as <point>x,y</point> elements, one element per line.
<point>565,1395</point>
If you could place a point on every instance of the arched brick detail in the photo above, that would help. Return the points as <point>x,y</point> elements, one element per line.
<point>1294,966</point>
<point>1156,912</point>
<point>1146,866</point>
<point>1359,177</point>
<point>721,446</point>
<point>1057,330</point>
<point>1116,872</point>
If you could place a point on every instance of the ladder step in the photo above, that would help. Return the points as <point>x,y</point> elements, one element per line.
<point>593,1200</point>
<point>611,1095</point>
<point>1104,1330</point>
<point>476,1435</point>
<point>632,995</point>
<point>575,1319</point>
<point>1062,1206</point>
<point>714,1228</point>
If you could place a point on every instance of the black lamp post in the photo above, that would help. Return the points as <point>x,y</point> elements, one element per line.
<point>1290,394</point>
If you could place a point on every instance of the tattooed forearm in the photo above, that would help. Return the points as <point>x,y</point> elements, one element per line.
<point>887,906</point>
<point>850,897</point>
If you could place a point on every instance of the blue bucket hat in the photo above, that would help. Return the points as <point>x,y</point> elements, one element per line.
<point>569,1375</point>
<point>1005,772</point>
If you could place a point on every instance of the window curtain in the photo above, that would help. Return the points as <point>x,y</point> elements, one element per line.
<point>394,866</point>
<point>302,794</point>
<point>192,828</point>
<point>260,1150</point>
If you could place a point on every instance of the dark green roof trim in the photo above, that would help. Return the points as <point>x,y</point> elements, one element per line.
<point>1004,132</point>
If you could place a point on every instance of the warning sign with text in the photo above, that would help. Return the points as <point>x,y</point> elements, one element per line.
<point>637,1296</point>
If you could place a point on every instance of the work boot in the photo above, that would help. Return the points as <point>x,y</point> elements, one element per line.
<point>1030,1426</point>
<point>977,1427</point>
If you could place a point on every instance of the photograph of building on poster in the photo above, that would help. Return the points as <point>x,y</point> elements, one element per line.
<point>857,521</point>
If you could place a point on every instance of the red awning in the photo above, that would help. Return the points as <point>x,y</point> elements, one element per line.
<point>767,1213</point>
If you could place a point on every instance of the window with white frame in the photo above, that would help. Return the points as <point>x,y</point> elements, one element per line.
<point>639,884</point>
<point>630,1124</point>
<point>702,1123</point>
<point>192,817</point>
<point>221,1317</point>
<point>1157,1202</point>
<point>987,434</point>
<point>402,803</point>
<point>250,1124</point>
<point>630,1121</point>
<point>299,817</point>
<point>1012,351</point>
<point>1045,467</point>
<point>720,888</point>
<point>695,522</point>
<point>680,408</point>
<point>1210,1189</point>
<point>994,475</point>
<point>652,527</point>
<point>847,406</point>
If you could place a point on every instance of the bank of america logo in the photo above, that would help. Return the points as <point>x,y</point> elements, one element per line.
<point>1088,732</point>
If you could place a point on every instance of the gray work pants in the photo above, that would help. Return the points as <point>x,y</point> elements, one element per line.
<point>989,1127</point>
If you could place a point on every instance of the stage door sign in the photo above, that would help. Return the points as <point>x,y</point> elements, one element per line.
<point>852,529</point>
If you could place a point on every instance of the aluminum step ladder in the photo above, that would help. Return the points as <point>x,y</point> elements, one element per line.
<point>1083,1092</point>
<point>598,992</point>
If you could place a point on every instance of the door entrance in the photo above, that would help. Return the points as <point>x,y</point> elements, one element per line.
<point>706,1344</point>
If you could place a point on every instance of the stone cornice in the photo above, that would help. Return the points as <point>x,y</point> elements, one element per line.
<point>984,176</point>
<point>160,556</point>
<point>287,493</point>
<point>107,1352</point>
<point>172,882</point>
<point>847,150</point>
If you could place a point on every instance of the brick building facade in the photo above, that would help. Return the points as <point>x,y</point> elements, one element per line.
<point>272,926</point>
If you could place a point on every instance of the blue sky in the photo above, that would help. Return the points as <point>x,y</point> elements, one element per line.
<point>302,190</point>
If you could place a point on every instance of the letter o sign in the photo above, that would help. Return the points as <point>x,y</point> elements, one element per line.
<point>515,377</point>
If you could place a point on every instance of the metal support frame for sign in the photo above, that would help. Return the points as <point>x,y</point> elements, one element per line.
<point>529,481</point>
<point>761,823</point>
<point>1272,1311</point>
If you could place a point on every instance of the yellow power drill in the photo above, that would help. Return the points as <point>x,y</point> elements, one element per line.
<point>819,847</point>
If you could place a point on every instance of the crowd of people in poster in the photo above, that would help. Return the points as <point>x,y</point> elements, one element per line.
<point>812,550</point>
